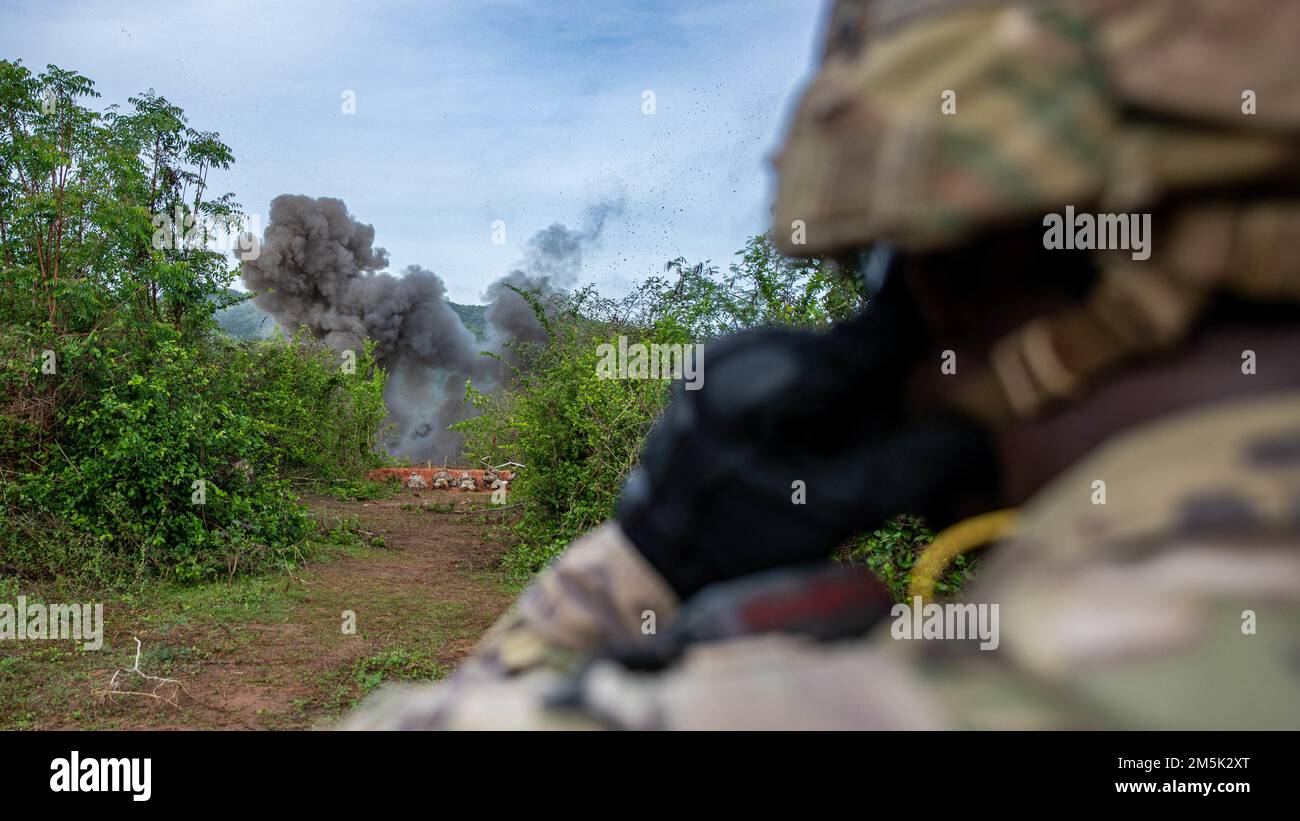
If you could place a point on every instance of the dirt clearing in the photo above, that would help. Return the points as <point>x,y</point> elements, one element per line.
<point>417,573</point>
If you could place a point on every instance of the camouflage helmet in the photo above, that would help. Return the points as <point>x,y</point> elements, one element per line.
<point>932,122</point>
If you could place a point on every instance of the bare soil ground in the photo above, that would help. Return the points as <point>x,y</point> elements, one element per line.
<point>419,571</point>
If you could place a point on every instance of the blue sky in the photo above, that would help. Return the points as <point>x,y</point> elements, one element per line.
<point>469,112</point>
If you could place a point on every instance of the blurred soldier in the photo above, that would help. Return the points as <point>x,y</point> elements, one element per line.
<point>416,482</point>
<point>442,480</point>
<point>466,481</point>
<point>1082,218</point>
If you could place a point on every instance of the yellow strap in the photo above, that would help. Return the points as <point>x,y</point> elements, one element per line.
<point>952,542</point>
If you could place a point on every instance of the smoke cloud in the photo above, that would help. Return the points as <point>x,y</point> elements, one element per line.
<point>319,268</point>
<point>551,264</point>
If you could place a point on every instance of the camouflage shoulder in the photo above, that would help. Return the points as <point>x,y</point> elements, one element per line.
<point>1156,585</point>
<point>1230,468</point>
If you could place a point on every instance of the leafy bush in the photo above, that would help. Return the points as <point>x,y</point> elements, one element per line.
<point>891,551</point>
<point>324,423</point>
<point>576,434</point>
<point>167,458</point>
<point>135,439</point>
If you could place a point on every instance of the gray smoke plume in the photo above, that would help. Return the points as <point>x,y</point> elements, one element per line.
<point>319,268</point>
<point>551,264</point>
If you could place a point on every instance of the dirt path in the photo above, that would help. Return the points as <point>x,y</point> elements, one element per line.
<point>419,575</point>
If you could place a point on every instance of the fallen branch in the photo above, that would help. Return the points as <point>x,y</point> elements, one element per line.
<point>166,690</point>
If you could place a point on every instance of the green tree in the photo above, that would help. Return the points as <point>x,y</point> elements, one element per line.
<point>134,437</point>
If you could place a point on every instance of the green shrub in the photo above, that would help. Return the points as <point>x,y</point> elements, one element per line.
<point>360,489</point>
<point>890,552</point>
<point>576,434</point>
<point>323,423</point>
<point>167,458</point>
<point>134,439</point>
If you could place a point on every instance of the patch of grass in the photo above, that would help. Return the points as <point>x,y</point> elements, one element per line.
<point>167,659</point>
<point>343,535</point>
<point>395,664</point>
<point>512,584</point>
<point>890,552</point>
<point>186,628</point>
<point>182,626</point>
<point>340,689</point>
<point>38,680</point>
<point>258,598</point>
<point>361,490</point>
<point>340,530</point>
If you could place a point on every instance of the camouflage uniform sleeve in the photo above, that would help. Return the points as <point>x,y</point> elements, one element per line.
<point>532,670</point>
<point>769,682</point>
<point>598,593</point>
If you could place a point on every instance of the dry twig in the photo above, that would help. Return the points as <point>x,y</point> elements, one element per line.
<point>166,690</point>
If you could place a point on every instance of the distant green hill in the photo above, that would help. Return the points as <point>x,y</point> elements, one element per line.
<point>472,317</point>
<point>247,321</point>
